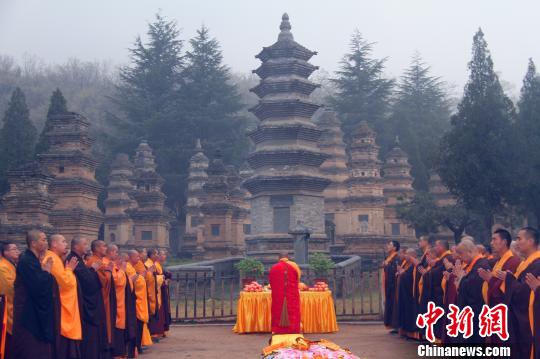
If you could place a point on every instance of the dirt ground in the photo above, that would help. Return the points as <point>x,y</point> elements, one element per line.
<point>219,342</point>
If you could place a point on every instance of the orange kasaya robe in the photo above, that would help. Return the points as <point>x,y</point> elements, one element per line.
<point>141,298</point>
<point>7,280</point>
<point>107,285</point>
<point>284,277</point>
<point>120,283</point>
<point>152,286</point>
<point>70,319</point>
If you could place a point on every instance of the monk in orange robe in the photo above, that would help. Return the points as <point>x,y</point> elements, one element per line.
<point>154,283</point>
<point>67,316</point>
<point>33,314</point>
<point>284,277</point>
<point>119,336</point>
<point>8,263</point>
<point>99,251</point>
<point>130,331</point>
<point>136,273</point>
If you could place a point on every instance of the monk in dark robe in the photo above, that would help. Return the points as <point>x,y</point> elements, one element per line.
<point>165,309</point>
<point>442,249</point>
<point>33,307</point>
<point>424,285</point>
<point>94,343</point>
<point>534,283</point>
<point>68,329</point>
<point>389,271</point>
<point>469,283</point>
<point>8,273</point>
<point>493,288</point>
<point>284,278</point>
<point>395,311</point>
<point>450,297</point>
<point>406,303</point>
<point>420,264</point>
<point>154,284</point>
<point>119,332</point>
<point>99,251</point>
<point>518,293</point>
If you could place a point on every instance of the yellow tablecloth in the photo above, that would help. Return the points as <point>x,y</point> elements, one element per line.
<point>316,312</point>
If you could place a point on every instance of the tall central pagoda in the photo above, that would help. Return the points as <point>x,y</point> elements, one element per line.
<point>287,185</point>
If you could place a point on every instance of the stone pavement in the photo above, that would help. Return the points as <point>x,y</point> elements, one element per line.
<point>219,342</point>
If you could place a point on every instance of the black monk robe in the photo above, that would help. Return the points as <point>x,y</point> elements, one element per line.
<point>131,319</point>
<point>517,295</point>
<point>406,302</point>
<point>435,291</point>
<point>536,319</point>
<point>94,344</point>
<point>389,281</point>
<point>470,294</point>
<point>33,332</point>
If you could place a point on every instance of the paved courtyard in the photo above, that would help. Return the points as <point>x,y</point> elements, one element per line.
<point>219,342</point>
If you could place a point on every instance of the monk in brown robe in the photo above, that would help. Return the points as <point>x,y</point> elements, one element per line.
<point>165,308</point>
<point>141,295</point>
<point>284,277</point>
<point>493,288</point>
<point>442,249</point>
<point>424,285</point>
<point>94,344</point>
<point>395,312</point>
<point>407,277</point>
<point>518,293</point>
<point>389,268</point>
<point>154,283</point>
<point>469,283</point>
<point>99,251</point>
<point>450,296</point>
<point>8,263</point>
<point>68,330</point>
<point>534,283</point>
<point>33,306</point>
<point>424,246</point>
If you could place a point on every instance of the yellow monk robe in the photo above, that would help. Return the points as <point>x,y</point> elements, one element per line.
<point>141,301</point>
<point>160,281</point>
<point>70,319</point>
<point>120,282</point>
<point>151,285</point>
<point>7,280</point>
<point>105,277</point>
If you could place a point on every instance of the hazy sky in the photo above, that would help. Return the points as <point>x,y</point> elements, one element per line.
<point>441,31</point>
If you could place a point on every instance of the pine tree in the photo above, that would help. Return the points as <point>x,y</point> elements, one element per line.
<point>528,141</point>
<point>148,87</point>
<point>57,105</point>
<point>17,136</point>
<point>420,115</point>
<point>210,100</point>
<point>362,92</point>
<point>476,155</point>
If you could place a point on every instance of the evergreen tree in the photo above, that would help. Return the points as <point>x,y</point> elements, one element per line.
<point>58,105</point>
<point>17,137</point>
<point>362,92</point>
<point>420,115</point>
<point>148,87</point>
<point>476,154</point>
<point>528,142</point>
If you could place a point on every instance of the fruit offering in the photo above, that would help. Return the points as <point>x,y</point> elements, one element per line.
<point>319,287</point>
<point>253,287</point>
<point>302,286</point>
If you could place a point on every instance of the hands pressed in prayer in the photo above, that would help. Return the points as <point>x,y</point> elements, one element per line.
<point>110,266</point>
<point>532,281</point>
<point>96,265</point>
<point>500,274</point>
<point>459,270</point>
<point>421,269</point>
<point>415,261</point>
<point>47,266</point>
<point>133,278</point>
<point>446,275</point>
<point>72,263</point>
<point>485,274</point>
<point>447,264</point>
<point>152,269</point>
<point>431,262</point>
<point>399,271</point>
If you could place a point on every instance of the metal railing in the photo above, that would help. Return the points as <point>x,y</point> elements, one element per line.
<point>206,296</point>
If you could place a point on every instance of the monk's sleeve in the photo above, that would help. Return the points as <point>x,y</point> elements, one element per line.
<point>63,278</point>
<point>87,279</point>
<point>5,284</point>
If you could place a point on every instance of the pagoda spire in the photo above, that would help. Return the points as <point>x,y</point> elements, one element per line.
<point>285,28</point>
